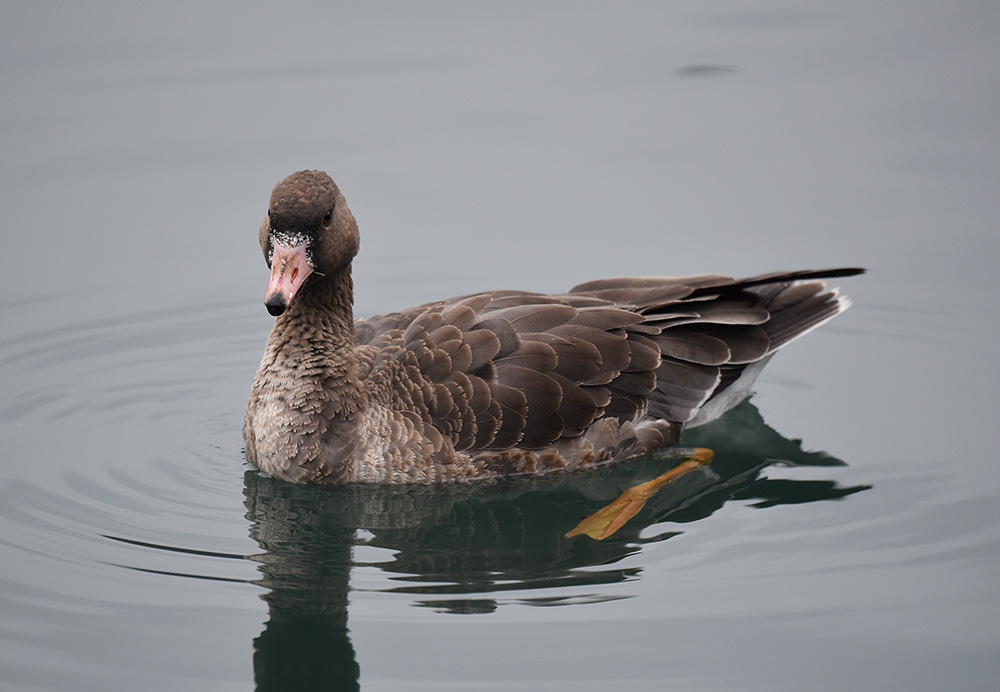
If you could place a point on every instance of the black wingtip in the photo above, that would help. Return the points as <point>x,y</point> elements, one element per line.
<point>778,277</point>
<point>837,273</point>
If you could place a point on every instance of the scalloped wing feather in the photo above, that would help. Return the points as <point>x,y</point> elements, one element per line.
<point>509,369</point>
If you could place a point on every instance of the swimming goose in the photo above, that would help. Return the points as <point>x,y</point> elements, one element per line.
<point>495,384</point>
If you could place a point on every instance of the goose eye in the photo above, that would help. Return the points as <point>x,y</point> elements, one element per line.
<point>327,217</point>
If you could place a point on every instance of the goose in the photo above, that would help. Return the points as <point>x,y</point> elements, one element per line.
<point>496,384</point>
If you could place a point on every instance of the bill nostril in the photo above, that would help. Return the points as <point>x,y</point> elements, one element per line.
<point>275,304</point>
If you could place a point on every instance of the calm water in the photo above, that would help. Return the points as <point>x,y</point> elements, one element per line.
<point>847,535</point>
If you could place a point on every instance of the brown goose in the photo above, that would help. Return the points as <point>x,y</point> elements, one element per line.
<point>500,383</point>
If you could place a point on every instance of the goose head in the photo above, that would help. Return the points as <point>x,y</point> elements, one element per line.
<point>307,234</point>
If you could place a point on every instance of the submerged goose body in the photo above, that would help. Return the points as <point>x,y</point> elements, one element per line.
<point>501,383</point>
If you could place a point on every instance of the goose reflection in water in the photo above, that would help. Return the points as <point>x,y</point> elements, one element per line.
<point>471,549</point>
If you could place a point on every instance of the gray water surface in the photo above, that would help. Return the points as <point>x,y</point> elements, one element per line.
<point>847,535</point>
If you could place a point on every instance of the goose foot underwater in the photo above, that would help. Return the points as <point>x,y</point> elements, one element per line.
<point>607,520</point>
